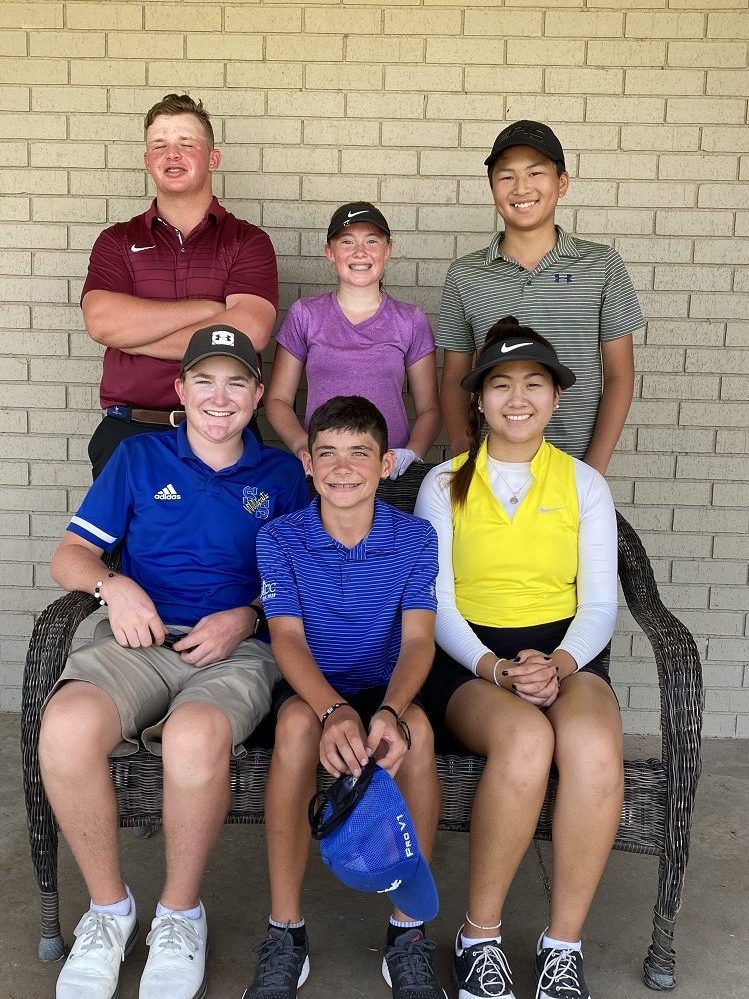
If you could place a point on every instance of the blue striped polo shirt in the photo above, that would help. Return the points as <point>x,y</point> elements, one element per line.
<point>350,599</point>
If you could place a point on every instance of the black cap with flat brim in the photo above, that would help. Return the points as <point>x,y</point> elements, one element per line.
<point>517,348</point>
<point>535,134</point>
<point>222,341</point>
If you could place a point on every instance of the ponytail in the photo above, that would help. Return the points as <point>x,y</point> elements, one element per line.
<point>460,482</point>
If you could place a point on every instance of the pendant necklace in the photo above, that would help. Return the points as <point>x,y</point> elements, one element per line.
<point>514,492</point>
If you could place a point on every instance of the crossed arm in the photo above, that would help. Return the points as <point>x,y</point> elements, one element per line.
<point>163,329</point>
<point>345,746</point>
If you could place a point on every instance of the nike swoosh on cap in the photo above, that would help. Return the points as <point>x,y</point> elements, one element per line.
<point>504,349</point>
<point>352,214</point>
<point>140,249</point>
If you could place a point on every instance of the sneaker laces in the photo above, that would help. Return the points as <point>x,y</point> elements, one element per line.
<point>175,933</point>
<point>275,966</point>
<point>98,931</point>
<point>492,969</point>
<point>414,962</point>
<point>560,969</point>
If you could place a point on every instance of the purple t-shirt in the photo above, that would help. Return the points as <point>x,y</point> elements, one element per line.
<point>369,358</point>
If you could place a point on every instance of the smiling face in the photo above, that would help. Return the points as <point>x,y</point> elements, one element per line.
<point>359,254</point>
<point>346,467</point>
<point>526,188</point>
<point>179,156</point>
<point>219,396</point>
<point>518,399</point>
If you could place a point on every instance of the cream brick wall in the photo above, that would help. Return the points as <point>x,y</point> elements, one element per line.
<point>318,102</point>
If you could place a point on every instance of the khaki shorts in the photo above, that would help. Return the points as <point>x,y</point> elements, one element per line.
<point>147,684</point>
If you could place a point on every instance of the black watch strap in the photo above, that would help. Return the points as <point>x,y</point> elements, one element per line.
<point>261,621</point>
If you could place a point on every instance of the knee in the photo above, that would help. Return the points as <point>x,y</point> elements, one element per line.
<point>593,760</point>
<point>78,715</point>
<point>298,732</point>
<point>196,743</point>
<point>523,751</point>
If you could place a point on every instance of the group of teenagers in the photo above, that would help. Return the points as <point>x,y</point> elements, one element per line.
<point>355,630</point>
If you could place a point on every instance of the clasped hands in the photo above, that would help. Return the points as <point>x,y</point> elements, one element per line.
<point>345,747</point>
<point>532,675</point>
<point>135,624</point>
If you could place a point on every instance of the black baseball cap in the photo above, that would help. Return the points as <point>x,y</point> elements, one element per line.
<point>222,341</point>
<point>517,348</point>
<point>357,211</point>
<point>527,133</point>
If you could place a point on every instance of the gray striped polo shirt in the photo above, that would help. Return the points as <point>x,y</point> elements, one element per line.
<point>579,294</point>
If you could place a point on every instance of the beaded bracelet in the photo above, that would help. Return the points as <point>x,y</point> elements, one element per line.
<point>97,591</point>
<point>496,682</point>
<point>329,711</point>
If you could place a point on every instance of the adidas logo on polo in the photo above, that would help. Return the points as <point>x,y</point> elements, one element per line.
<point>167,493</point>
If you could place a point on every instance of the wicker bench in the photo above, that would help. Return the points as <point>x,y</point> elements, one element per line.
<point>659,793</point>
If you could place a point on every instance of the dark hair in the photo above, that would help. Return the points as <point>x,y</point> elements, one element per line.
<point>349,412</point>
<point>173,104</point>
<point>506,328</point>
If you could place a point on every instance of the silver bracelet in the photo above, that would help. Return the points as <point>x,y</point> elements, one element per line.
<point>496,684</point>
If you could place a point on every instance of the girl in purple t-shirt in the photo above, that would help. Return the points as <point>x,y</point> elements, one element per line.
<point>357,340</point>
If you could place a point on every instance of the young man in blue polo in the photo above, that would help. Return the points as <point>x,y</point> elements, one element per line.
<point>179,665</point>
<point>348,588</point>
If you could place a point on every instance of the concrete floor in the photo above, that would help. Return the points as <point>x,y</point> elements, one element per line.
<point>347,928</point>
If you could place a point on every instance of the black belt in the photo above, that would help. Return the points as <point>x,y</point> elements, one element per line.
<point>157,417</point>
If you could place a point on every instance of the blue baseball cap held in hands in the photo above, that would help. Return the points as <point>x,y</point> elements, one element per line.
<point>368,840</point>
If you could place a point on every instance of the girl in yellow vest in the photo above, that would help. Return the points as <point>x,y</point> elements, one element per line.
<point>527,606</point>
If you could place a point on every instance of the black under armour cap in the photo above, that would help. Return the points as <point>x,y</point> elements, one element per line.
<point>222,341</point>
<point>517,348</point>
<point>527,133</point>
<point>357,211</point>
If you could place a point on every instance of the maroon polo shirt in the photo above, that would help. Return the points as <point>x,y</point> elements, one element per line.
<point>148,258</point>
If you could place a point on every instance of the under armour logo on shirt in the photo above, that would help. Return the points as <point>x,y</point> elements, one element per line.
<point>558,278</point>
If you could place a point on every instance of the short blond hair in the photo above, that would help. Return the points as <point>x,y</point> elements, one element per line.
<point>173,104</point>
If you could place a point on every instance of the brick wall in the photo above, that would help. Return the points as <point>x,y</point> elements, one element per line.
<point>319,102</point>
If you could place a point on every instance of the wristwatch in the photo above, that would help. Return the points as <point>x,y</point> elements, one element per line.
<point>261,621</point>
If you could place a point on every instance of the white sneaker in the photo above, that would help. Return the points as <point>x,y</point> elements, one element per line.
<point>102,942</point>
<point>176,961</point>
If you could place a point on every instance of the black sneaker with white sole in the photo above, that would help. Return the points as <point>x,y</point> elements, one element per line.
<point>408,967</point>
<point>559,974</point>
<point>482,971</point>
<point>282,967</point>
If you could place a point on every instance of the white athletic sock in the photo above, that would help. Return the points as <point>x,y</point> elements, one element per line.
<point>164,910</point>
<point>467,942</point>
<point>550,943</point>
<point>121,908</point>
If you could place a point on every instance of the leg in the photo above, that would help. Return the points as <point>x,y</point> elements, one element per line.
<point>517,741</point>
<point>196,749</point>
<point>588,755</point>
<point>417,779</point>
<point>78,784</point>
<point>291,784</point>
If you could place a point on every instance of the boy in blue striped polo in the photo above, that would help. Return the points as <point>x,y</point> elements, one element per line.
<point>575,292</point>
<point>348,589</point>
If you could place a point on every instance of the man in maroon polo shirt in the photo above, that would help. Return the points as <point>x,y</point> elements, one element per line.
<point>155,280</point>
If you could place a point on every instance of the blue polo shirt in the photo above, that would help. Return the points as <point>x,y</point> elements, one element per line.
<point>350,599</point>
<point>188,532</point>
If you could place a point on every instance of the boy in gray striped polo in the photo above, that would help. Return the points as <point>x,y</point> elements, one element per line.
<point>349,593</point>
<point>575,292</point>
